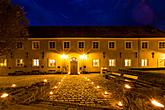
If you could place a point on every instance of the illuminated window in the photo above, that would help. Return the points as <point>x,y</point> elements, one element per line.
<point>128,44</point>
<point>51,63</point>
<point>127,62</point>
<point>66,44</point>
<point>112,62</point>
<point>35,62</point>
<point>19,62</point>
<point>111,44</point>
<point>144,62</point>
<point>144,44</point>
<point>19,45</point>
<point>81,44</point>
<point>95,44</point>
<point>161,44</point>
<point>35,44</point>
<point>3,62</point>
<point>52,45</point>
<point>95,62</point>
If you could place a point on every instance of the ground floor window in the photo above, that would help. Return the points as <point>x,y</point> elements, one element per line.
<point>95,63</point>
<point>161,62</point>
<point>51,62</point>
<point>144,62</point>
<point>127,62</point>
<point>112,62</point>
<point>3,62</point>
<point>19,62</point>
<point>35,62</point>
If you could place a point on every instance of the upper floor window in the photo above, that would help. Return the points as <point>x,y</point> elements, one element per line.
<point>81,44</point>
<point>144,44</point>
<point>35,44</point>
<point>128,44</point>
<point>112,62</point>
<point>127,62</point>
<point>35,62</point>
<point>52,45</point>
<point>111,44</point>
<point>161,45</point>
<point>51,62</point>
<point>19,62</point>
<point>3,62</point>
<point>19,45</point>
<point>144,62</point>
<point>95,44</point>
<point>66,44</point>
<point>96,63</point>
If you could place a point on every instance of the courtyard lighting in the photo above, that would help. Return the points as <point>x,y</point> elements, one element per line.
<point>4,95</point>
<point>92,82</point>
<point>97,87</point>
<point>45,80</point>
<point>13,85</point>
<point>64,56</point>
<point>51,93</point>
<point>120,104</point>
<point>55,87</point>
<point>106,93</point>
<point>127,86</point>
<point>156,103</point>
<point>59,82</point>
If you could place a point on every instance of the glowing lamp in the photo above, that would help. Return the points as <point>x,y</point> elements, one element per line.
<point>13,85</point>
<point>98,87</point>
<point>59,82</point>
<point>45,80</point>
<point>63,56</point>
<point>156,103</point>
<point>92,82</point>
<point>120,104</point>
<point>4,95</point>
<point>51,93</point>
<point>106,93</point>
<point>127,86</point>
<point>55,87</point>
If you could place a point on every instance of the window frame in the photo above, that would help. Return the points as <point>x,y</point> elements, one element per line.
<point>126,43</point>
<point>93,62</point>
<point>112,63</point>
<point>33,45</point>
<point>95,42</point>
<point>159,45</point>
<point>79,45</point>
<point>49,63</point>
<point>38,64</point>
<point>145,62</point>
<point>64,45</point>
<point>22,65</point>
<point>22,46</point>
<point>4,62</point>
<point>114,45</point>
<point>142,45</point>
<point>128,64</point>
<point>49,45</point>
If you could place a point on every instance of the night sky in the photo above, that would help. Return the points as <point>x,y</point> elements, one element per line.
<point>94,12</point>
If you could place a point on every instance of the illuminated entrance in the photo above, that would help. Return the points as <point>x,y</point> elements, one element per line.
<point>73,66</point>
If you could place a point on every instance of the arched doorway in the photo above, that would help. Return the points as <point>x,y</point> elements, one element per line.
<point>73,66</point>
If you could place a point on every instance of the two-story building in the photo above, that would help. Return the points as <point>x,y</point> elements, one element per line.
<point>74,49</point>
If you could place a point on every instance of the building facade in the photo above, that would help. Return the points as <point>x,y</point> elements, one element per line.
<point>77,49</point>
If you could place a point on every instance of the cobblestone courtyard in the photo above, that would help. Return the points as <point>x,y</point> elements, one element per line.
<point>90,91</point>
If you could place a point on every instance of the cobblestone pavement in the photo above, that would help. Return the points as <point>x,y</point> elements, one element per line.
<point>80,90</point>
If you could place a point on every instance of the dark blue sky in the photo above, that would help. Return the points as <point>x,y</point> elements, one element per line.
<point>94,12</point>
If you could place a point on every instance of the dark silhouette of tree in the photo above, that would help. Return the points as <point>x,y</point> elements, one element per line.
<point>13,26</point>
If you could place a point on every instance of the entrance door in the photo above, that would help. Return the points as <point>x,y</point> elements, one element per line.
<point>73,66</point>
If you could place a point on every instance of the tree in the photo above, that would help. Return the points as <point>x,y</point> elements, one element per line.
<point>13,26</point>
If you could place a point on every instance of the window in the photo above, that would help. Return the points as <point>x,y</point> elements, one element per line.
<point>81,44</point>
<point>3,62</point>
<point>161,62</point>
<point>19,62</point>
<point>127,62</point>
<point>111,44</point>
<point>35,44</point>
<point>112,62</point>
<point>95,62</point>
<point>144,44</point>
<point>51,63</point>
<point>161,45</point>
<point>95,45</point>
<point>144,62</point>
<point>66,44</point>
<point>128,44</point>
<point>52,45</point>
<point>35,62</point>
<point>19,45</point>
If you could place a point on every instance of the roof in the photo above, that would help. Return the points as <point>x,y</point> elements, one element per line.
<point>94,32</point>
